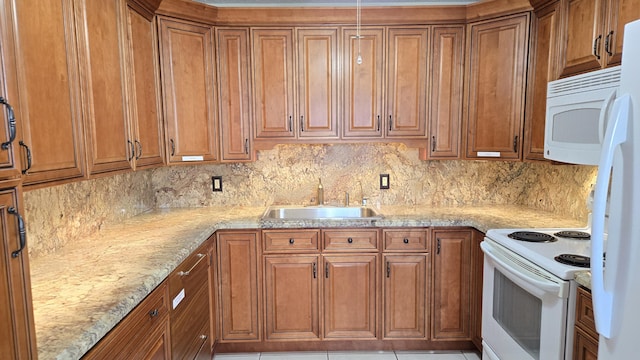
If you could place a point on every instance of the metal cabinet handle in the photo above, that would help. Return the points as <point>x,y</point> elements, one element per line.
<point>326,270</point>
<point>438,248</point>
<point>153,313</point>
<point>132,152</point>
<point>186,273</point>
<point>173,147</point>
<point>608,43</point>
<point>11,119</point>
<point>21,231</point>
<point>314,270</point>
<point>290,123</point>
<point>433,144</point>
<point>246,146</point>
<point>350,240</point>
<point>390,123</point>
<point>405,240</point>
<point>596,46</point>
<point>515,144</point>
<point>301,122</point>
<point>378,128</point>
<point>388,269</point>
<point>291,241</point>
<point>26,170</point>
<point>139,153</point>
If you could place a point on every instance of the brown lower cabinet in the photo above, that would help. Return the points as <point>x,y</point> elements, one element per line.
<point>585,341</point>
<point>339,289</point>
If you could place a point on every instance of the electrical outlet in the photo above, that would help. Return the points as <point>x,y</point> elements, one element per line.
<point>216,183</point>
<point>384,181</point>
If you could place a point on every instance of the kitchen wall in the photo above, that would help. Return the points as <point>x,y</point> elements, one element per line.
<point>289,174</point>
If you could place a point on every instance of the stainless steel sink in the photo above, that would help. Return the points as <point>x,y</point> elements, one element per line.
<point>320,213</point>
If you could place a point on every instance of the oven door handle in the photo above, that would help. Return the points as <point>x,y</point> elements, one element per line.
<point>512,268</point>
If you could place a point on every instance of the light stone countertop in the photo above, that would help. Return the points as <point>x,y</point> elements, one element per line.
<point>584,278</point>
<point>83,290</point>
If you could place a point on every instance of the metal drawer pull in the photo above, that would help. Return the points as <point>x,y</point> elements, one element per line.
<point>433,144</point>
<point>596,46</point>
<point>350,240</point>
<point>405,240</point>
<point>607,43</point>
<point>11,119</point>
<point>378,129</point>
<point>388,269</point>
<point>314,270</point>
<point>21,231</point>
<point>246,146</point>
<point>153,313</point>
<point>132,151</point>
<point>26,170</point>
<point>291,241</point>
<point>390,123</point>
<point>173,147</point>
<point>301,122</point>
<point>186,273</point>
<point>139,154</point>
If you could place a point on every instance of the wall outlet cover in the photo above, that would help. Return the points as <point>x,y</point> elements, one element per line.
<point>216,182</point>
<point>384,181</point>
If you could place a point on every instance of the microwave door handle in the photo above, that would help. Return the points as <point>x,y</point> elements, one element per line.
<point>615,136</point>
<point>603,115</point>
<point>521,276</point>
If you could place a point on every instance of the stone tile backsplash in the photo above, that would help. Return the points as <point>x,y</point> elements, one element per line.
<point>288,174</point>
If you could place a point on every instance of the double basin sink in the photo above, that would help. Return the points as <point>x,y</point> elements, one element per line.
<point>321,213</point>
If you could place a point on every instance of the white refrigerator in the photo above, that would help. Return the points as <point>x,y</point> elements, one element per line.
<point>615,261</point>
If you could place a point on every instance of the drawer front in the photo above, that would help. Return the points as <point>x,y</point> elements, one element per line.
<point>347,240</point>
<point>190,329</point>
<point>584,312</point>
<point>186,280</point>
<point>290,241</point>
<point>406,240</point>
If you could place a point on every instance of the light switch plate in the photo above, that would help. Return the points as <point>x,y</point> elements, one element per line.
<point>216,182</point>
<point>384,181</point>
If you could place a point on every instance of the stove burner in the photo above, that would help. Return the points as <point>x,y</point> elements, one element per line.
<point>532,236</point>
<point>573,259</point>
<point>571,234</point>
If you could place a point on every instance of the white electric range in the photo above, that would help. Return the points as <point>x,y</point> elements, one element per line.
<point>528,295</point>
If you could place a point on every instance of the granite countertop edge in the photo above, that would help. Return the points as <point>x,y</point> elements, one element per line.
<point>100,289</point>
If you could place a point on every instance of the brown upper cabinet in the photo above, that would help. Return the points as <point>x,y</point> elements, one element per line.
<point>99,27</point>
<point>495,84</point>
<point>543,67</point>
<point>186,60</point>
<point>48,100</point>
<point>317,96</point>
<point>144,89</point>
<point>447,59</point>
<point>234,90</point>
<point>592,33</point>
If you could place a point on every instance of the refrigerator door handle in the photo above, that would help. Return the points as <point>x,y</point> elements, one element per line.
<point>615,135</point>
<point>604,114</point>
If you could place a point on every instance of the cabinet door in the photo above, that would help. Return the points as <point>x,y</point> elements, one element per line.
<point>109,145</point>
<point>363,110</point>
<point>407,82</point>
<point>8,123</point>
<point>16,316</point>
<point>317,82</point>
<point>273,103</point>
<point>451,284</point>
<point>235,108</point>
<point>446,92</point>
<point>477,269</point>
<point>405,296</point>
<point>585,347</point>
<point>542,69</point>
<point>496,84</point>
<point>582,43</point>
<point>291,297</point>
<point>144,88</point>
<point>350,296</point>
<point>186,56</point>
<point>239,287</point>
<point>621,12</point>
<point>49,108</point>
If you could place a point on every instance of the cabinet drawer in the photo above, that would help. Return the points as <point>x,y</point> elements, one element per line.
<point>584,312</point>
<point>188,278</point>
<point>190,328</point>
<point>290,241</point>
<point>125,339</point>
<point>406,240</point>
<point>346,240</point>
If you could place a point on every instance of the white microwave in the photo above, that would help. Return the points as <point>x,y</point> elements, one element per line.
<point>577,111</point>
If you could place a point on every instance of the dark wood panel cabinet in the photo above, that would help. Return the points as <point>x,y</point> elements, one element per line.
<point>188,78</point>
<point>585,341</point>
<point>495,83</point>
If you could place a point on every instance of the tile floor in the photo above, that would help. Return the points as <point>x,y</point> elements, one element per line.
<point>354,355</point>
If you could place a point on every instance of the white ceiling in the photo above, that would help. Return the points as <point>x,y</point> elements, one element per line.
<point>330,3</point>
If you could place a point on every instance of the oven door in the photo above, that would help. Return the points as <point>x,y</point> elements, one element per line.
<point>525,311</point>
